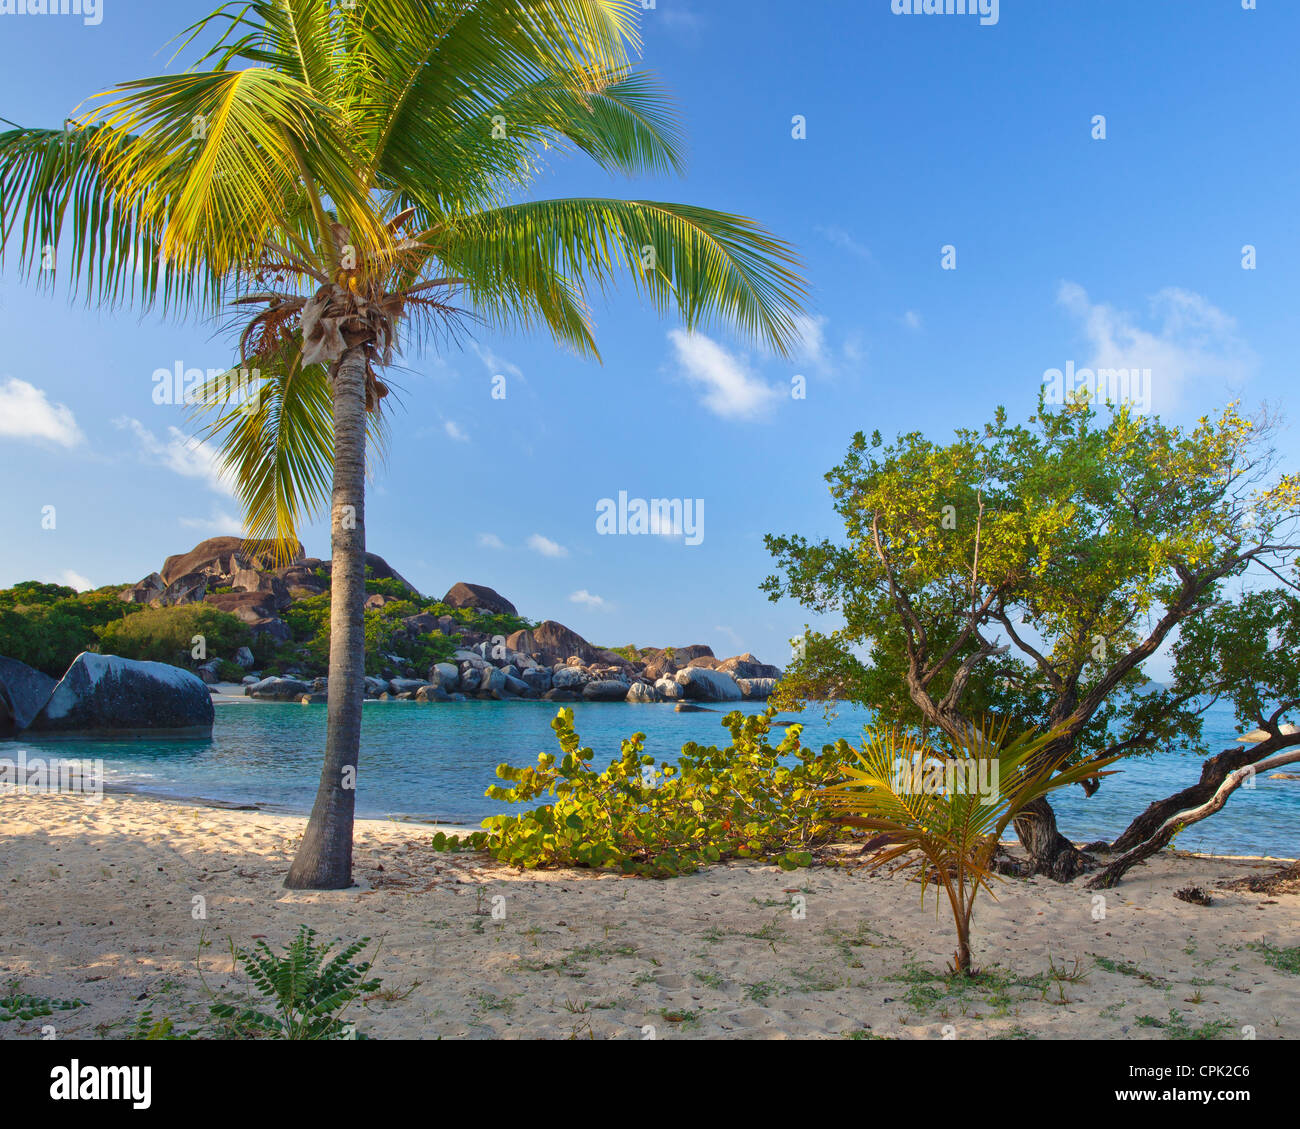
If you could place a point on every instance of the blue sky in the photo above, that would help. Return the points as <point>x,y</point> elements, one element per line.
<point>922,131</point>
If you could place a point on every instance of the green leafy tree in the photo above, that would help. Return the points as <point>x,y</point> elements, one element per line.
<point>341,176</point>
<point>1031,571</point>
<point>46,626</point>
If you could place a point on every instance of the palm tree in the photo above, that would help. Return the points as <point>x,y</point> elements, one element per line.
<point>343,175</point>
<point>944,811</point>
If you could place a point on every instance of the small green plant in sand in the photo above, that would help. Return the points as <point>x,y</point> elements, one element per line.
<point>147,1028</point>
<point>308,993</point>
<point>1176,1027</point>
<point>1285,960</point>
<point>19,1005</point>
<point>751,799</point>
<point>945,811</point>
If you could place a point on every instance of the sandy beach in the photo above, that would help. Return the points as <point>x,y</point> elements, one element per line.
<point>98,903</point>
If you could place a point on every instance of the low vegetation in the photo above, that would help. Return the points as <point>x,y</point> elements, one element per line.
<point>46,626</point>
<point>167,635</point>
<point>302,994</point>
<point>751,799</point>
<point>944,811</point>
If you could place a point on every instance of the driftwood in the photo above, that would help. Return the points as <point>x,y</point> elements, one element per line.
<point>1175,823</point>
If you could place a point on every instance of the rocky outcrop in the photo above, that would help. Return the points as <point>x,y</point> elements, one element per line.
<point>379,569</point>
<point>550,660</point>
<point>747,666</point>
<point>148,590</point>
<point>223,556</point>
<point>278,689</point>
<point>703,685</point>
<point>104,695</point>
<point>23,691</point>
<point>669,660</point>
<point>463,595</point>
<point>669,689</point>
<point>641,692</point>
<point>189,588</point>
<point>551,643</point>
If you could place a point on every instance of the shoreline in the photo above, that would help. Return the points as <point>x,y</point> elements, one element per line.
<point>101,906</point>
<point>130,791</point>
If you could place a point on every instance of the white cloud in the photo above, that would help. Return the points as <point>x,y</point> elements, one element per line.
<point>546,546</point>
<point>812,349</point>
<point>727,388</point>
<point>582,596</point>
<point>221,522</point>
<point>454,432</point>
<point>494,363</point>
<point>490,541</point>
<point>26,413</point>
<point>1191,341</point>
<point>73,580</point>
<point>181,453</point>
<point>912,320</point>
<point>730,634</point>
<point>844,240</point>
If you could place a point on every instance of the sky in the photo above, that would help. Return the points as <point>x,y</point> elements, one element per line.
<point>872,141</point>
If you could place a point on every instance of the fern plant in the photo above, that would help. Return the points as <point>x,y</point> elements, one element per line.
<point>309,992</point>
<point>951,833</point>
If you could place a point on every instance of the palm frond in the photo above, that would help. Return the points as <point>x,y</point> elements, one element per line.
<point>705,265</point>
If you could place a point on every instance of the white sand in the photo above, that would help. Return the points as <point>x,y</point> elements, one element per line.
<point>96,903</point>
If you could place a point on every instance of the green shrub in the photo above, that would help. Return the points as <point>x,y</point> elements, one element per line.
<point>229,671</point>
<point>46,626</point>
<point>308,994</point>
<point>167,634</point>
<point>749,800</point>
<point>388,586</point>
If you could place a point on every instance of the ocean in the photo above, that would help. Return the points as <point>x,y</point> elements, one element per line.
<point>433,762</point>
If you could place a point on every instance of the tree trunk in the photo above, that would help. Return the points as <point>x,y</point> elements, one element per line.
<point>1050,853</point>
<point>1214,771</point>
<point>324,859</point>
<point>1164,834</point>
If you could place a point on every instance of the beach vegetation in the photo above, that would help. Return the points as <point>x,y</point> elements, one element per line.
<point>750,799</point>
<point>17,1005</point>
<point>305,991</point>
<point>1029,571</point>
<point>949,835</point>
<point>46,626</point>
<point>1284,959</point>
<point>166,635</point>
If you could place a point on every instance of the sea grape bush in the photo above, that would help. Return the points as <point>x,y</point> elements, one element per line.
<point>751,799</point>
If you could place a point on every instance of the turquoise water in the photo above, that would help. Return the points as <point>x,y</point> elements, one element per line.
<point>434,762</point>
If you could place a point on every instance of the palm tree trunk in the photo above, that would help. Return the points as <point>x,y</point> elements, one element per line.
<point>324,859</point>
